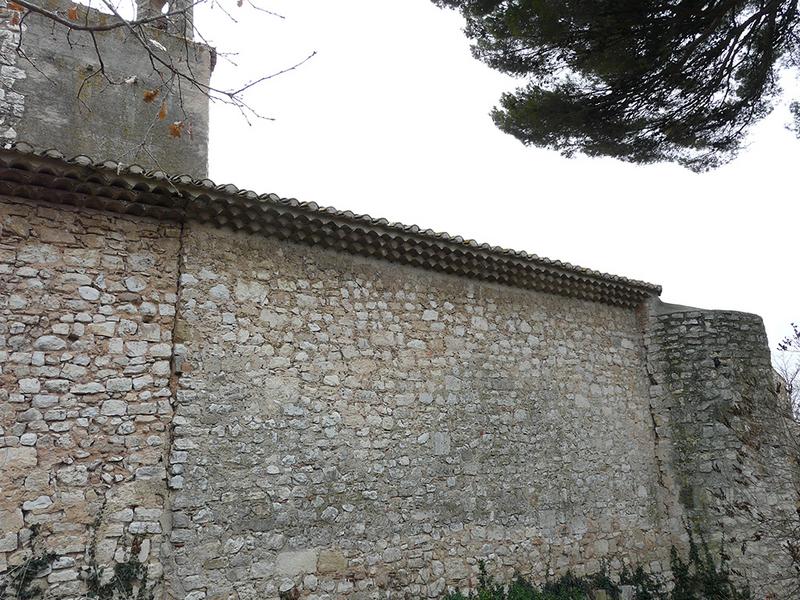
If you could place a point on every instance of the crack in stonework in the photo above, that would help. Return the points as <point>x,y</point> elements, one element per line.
<point>174,377</point>
<point>656,437</point>
<point>175,359</point>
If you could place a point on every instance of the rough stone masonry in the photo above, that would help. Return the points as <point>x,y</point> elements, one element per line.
<point>252,396</point>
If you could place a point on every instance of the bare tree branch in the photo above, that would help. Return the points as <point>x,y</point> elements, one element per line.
<point>53,16</point>
<point>172,70</point>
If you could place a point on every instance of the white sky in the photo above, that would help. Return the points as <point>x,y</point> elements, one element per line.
<point>391,119</point>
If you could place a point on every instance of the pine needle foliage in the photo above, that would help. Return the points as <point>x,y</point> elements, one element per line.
<point>639,80</point>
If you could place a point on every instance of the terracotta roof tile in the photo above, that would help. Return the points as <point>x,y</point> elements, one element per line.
<point>49,175</point>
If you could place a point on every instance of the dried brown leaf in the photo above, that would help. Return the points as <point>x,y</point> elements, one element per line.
<point>175,129</point>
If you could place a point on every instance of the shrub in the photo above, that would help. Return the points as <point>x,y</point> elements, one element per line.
<point>698,577</point>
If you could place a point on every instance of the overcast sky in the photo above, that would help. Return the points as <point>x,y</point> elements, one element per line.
<point>391,119</point>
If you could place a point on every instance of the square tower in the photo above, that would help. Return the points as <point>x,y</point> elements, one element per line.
<point>126,92</point>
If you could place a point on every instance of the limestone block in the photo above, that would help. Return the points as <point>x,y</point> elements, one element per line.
<point>8,542</point>
<point>119,384</point>
<point>441,443</point>
<point>16,226</point>
<point>49,342</point>
<point>11,521</point>
<point>627,592</point>
<point>262,569</point>
<point>331,561</point>
<point>26,416</point>
<point>39,503</point>
<point>220,293</point>
<point>17,457</point>
<point>29,386</point>
<point>289,564</point>
<point>88,293</point>
<point>87,388</point>
<point>73,475</point>
<point>134,284</point>
<point>114,408</point>
<point>104,329</point>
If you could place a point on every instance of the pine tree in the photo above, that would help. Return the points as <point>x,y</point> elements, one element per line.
<point>639,80</point>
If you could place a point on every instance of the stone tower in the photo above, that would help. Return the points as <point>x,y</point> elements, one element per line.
<point>109,102</point>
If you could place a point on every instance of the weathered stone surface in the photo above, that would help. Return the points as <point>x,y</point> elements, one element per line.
<point>16,458</point>
<point>81,434</point>
<point>28,439</point>
<point>721,428</point>
<point>335,426</point>
<point>40,502</point>
<point>87,388</point>
<point>49,342</point>
<point>29,386</point>
<point>331,561</point>
<point>26,416</point>
<point>119,384</point>
<point>414,412</point>
<point>38,106</point>
<point>88,293</point>
<point>289,564</point>
<point>10,521</point>
<point>8,542</point>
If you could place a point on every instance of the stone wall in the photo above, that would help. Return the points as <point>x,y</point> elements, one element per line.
<point>349,426</point>
<point>56,96</point>
<point>248,416</point>
<point>87,303</point>
<point>724,439</point>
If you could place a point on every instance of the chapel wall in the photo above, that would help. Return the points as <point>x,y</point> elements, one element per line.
<point>348,426</point>
<point>87,303</point>
<point>244,415</point>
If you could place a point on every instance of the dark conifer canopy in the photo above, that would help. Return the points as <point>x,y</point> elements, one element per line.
<point>639,80</point>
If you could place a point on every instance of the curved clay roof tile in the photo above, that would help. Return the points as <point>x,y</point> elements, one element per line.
<point>226,201</point>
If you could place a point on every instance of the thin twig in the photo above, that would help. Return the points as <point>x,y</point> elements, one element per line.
<point>53,16</point>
